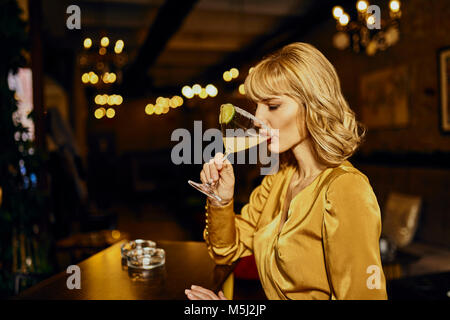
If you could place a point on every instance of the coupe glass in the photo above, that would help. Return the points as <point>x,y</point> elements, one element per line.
<point>240,131</point>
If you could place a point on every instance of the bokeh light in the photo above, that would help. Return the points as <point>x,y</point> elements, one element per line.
<point>149,109</point>
<point>110,113</point>
<point>234,73</point>
<point>394,5</point>
<point>227,76</point>
<point>100,113</point>
<point>87,43</point>
<point>203,94</point>
<point>338,12</point>
<point>196,89</point>
<point>242,89</point>
<point>85,78</point>
<point>104,41</point>
<point>211,90</point>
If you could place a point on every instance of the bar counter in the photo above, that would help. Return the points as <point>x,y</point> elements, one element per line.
<point>105,277</point>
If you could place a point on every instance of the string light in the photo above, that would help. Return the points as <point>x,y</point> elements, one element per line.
<point>211,90</point>
<point>338,12</point>
<point>394,5</point>
<point>110,113</point>
<point>87,43</point>
<point>187,92</point>
<point>227,76</point>
<point>100,113</point>
<point>242,89</point>
<point>104,42</point>
<point>179,101</point>
<point>362,6</point>
<point>119,46</point>
<point>196,89</point>
<point>105,77</point>
<point>85,78</point>
<point>164,102</point>
<point>371,20</point>
<point>158,109</point>
<point>203,94</point>
<point>344,19</point>
<point>93,78</point>
<point>111,100</point>
<point>149,109</point>
<point>234,73</point>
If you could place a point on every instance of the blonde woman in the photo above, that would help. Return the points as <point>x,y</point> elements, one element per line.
<point>314,226</point>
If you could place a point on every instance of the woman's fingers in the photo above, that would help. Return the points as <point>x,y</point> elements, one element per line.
<point>203,177</point>
<point>218,160</point>
<point>204,291</point>
<point>192,296</point>
<point>213,170</point>
<point>222,296</point>
<point>207,172</point>
<point>199,293</point>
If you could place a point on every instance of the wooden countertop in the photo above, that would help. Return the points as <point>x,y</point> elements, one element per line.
<point>104,277</point>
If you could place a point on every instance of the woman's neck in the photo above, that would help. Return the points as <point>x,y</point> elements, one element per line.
<point>308,165</point>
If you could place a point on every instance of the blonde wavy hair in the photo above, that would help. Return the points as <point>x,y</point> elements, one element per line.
<point>302,72</point>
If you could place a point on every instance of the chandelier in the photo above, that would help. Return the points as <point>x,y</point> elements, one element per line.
<point>369,32</point>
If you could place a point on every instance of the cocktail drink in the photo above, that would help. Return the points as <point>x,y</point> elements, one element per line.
<point>240,131</point>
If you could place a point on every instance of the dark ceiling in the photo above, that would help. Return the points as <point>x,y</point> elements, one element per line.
<point>172,43</point>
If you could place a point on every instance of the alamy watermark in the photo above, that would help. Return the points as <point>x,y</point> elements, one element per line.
<point>74,280</point>
<point>374,21</point>
<point>188,144</point>
<point>74,20</point>
<point>374,280</point>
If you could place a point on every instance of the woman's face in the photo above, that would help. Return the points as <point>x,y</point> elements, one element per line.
<point>286,115</point>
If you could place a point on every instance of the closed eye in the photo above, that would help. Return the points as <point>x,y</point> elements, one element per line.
<point>274,106</point>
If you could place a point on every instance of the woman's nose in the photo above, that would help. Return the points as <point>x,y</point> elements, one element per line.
<point>260,114</point>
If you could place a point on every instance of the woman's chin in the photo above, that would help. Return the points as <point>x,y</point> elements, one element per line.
<point>273,147</point>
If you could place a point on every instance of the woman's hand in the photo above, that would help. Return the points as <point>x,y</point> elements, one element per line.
<point>220,175</point>
<point>199,293</point>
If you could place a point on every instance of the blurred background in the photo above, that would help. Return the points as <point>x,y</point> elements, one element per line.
<point>92,90</point>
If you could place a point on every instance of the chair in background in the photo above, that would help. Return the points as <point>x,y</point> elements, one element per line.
<point>400,222</point>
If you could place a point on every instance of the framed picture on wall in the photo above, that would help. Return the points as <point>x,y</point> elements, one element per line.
<point>444,88</point>
<point>384,98</point>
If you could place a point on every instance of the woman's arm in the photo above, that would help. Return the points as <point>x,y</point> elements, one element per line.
<point>229,236</point>
<point>351,233</point>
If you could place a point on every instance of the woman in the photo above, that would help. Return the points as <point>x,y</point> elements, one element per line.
<point>314,226</point>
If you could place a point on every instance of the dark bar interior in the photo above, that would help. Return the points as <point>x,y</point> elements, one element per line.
<point>96,95</point>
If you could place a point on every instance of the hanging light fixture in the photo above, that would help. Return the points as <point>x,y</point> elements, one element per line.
<point>369,32</point>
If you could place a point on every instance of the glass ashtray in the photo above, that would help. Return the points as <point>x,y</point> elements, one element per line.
<point>146,258</point>
<point>136,244</point>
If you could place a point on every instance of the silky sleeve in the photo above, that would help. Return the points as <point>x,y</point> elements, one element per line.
<point>229,236</point>
<point>351,233</point>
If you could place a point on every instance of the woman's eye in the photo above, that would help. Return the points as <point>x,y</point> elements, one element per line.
<point>274,106</point>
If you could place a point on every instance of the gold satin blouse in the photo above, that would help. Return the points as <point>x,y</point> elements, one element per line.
<point>328,248</point>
